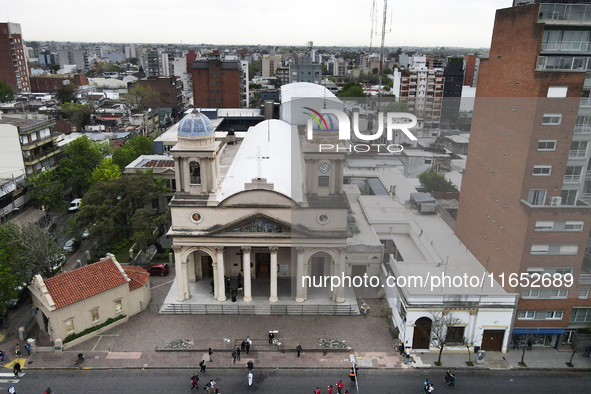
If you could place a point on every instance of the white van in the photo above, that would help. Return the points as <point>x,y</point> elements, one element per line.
<point>74,205</point>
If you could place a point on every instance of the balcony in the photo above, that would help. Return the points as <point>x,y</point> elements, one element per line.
<point>582,128</point>
<point>577,154</point>
<point>562,63</point>
<point>34,159</point>
<point>566,46</point>
<point>565,13</point>
<point>585,102</point>
<point>41,141</point>
<point>572,178</point>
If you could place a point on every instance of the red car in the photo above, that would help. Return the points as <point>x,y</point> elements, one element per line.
<point>158,269</point>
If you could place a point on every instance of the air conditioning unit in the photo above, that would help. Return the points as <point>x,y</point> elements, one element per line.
<point>555,201</point>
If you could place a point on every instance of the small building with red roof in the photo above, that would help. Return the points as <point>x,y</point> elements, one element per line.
<point>85,297</point>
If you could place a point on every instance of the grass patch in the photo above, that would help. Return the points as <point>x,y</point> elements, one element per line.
<point>122,252</point>
<point>570,365</point>
<point>469,363</point>
<point>438,364</point>
<point>522,365</point>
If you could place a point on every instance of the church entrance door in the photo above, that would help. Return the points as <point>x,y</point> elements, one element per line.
<point>318,267</point>
<point>263,263</point>
<point>206,267</point>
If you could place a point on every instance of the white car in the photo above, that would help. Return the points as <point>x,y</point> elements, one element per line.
<point>75,205</point>
<point>70,246</point>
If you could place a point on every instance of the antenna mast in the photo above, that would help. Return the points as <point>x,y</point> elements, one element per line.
<point>382,47</point>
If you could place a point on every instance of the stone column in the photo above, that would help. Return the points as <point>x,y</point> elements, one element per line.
<point>178,265</point>
<point>300,289</point>
<point>247,273</point>
<point>340,272</point>
<point>186,289</point>
<point>314,173</point>
<point>273,297</point>
<point>216,286</point>
<point>212,175</point>
<point>339,176</point>
<point>332,182</point>
<point>220,281</point>
<point>177,174</point>
<point>186,173</point>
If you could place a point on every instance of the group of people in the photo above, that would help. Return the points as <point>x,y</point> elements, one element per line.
<point>210,387</point>
<point>340,387</point>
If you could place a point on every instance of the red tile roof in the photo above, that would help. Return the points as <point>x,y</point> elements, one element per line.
<point>138,275</point>
<point>84,282</point>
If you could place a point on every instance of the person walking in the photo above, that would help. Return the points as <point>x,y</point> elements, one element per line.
<point>17,350</point>
<point>340,387</point>
<point>430,388</point>
<point>202,365</point>
<point>317,390</point>
<point>352,376</point>
<point>250,365</point>
<point>16,369</point>
<point>299,349</point>
<point>28,349</point>
<point>250,378</point>
<point>447,377</point>
<point>452,381</point>
<point>11,390</point>
<point>243,346</point>
<point>248,344</point>
<point>238,352</point>
<point>1,356</point>
<point>47,390</point>
<point>330,389</point>
<point>271,337</point>
<point>210,352</point>
<point>530,343</point>
<point>407,356</point>
<point>194,380</point>
<point>234,356</point>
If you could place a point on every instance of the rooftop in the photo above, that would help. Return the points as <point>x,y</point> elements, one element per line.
<point>24,125</point>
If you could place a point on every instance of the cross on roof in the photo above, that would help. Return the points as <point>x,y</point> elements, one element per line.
<point>259,158</point>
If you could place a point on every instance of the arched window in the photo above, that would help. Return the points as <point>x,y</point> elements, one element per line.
<point>195,170</point>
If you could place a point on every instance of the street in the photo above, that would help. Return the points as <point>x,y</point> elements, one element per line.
<point>301,381</point>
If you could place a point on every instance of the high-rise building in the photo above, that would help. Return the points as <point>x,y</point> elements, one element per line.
<point>524,212</point>
<point>270,64</point>
<point>14,70</point>
<point>305,71</point>
<point>452,91</point>
<point>218,83</point>
<point>471,65</point>
<point>73,56</point>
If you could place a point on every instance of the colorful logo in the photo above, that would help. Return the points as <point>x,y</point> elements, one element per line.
<point>317,116</point>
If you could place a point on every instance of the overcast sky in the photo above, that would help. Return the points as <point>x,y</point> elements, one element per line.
<point>465,23</point>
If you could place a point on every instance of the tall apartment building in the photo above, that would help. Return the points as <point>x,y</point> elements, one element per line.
<point>422,89</point>
<point>523,210</point>
<point>218,83</point>
<point>452,91</point>
<point>471,65</point>
<point>269,65</point>
<point>71,56</point>
<point>305,71</point>
<point>155,62</point>
<point>14,70</point>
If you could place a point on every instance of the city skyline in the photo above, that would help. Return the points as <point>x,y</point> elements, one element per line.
<point>440,24</point>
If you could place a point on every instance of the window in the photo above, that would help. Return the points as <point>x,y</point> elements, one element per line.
<point>551,119</point>
<point>546,145</point>
<point>118,306</point>
<point>572,174</point>
<point>573,226</point>
<point>195,171</point>
<point>557,91</point>
<point>578,150</point>
<point>583,294</point>
<point>323,181</point>
<point>527,315</point>
<point>544,226</point>
<point>537,196</point>
<point>69,325</point>
<point>569,197</point>
<point>542,170</point>
<point>580,315</point>
<point>428,160</point>
<point>95,315</point>
<point>455,335</point>
<point>530,293</point>
<point>539,249</point>
<point>569,249</point>
<point>554,315</point>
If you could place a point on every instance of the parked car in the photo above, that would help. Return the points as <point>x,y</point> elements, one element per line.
<point>75,205</point>
<point>58,262</point>
<point>70,246</point>
<point>85,233</point>
<point>158,269</point>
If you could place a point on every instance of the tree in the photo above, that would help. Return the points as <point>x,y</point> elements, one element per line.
<point>81,157</point>
<point>352,89</point>
<point>66,93</point>
<point>435,182</point>
<point>108,207</point>
<point>143,230</point>
<point>132,149</point>
<point>141,97</point>
<point>105,171</point>
<point>375,70</point>
<point>6,93</point>
<point>441,322</point>
<point>77,113</point>
<point>37,251</point>
<point>10,274</point>
<point>47,190</point>
<point>386,71</point>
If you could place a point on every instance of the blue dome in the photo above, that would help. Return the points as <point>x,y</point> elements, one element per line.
<point>195,124</point>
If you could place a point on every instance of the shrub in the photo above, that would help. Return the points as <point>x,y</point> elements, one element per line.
<point>77,335</point>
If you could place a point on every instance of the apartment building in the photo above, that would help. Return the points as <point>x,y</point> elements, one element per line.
<point>218,83</point>
<point>14,70</point>
<point>524,210</point>
<point>269,65</point>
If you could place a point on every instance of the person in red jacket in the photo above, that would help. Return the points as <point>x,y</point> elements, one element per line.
<point>340,387</point>
<point>317,390</point>
<point>330,389</point>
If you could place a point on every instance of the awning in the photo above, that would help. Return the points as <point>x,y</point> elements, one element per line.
<point>539,331</point>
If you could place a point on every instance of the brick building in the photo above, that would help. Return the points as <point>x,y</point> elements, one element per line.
<point>50,83</point>
<point>14,70</point>
<point>522,210</point>
<point>218,83</point>
<point>170,93</point>
<point>471,65</point>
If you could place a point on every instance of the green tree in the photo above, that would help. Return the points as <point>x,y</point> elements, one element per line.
<point>375,70</point>
<point>132,149</point>
<point>47,190</point>
<point>141,97</point>
<point>386,71</point>
<point>66,94</point>
<point>253,69</point>
<point>6,93</point>
<point>105,171</point>
<point>81,157</point>
<point>352,89</point>
<point>11,274</point>
<point>435,182</point>
<point>143,225</point>
<point>77,113</point>
<point>37,251</point>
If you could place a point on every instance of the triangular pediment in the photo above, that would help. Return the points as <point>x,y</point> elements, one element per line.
<point>258,224</point>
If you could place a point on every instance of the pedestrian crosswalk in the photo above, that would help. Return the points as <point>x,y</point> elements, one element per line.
<point>8,378</point>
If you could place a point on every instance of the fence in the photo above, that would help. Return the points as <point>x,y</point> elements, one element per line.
<point>301,310</point>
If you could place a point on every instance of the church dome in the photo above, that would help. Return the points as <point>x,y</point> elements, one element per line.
<point>195,124</point>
